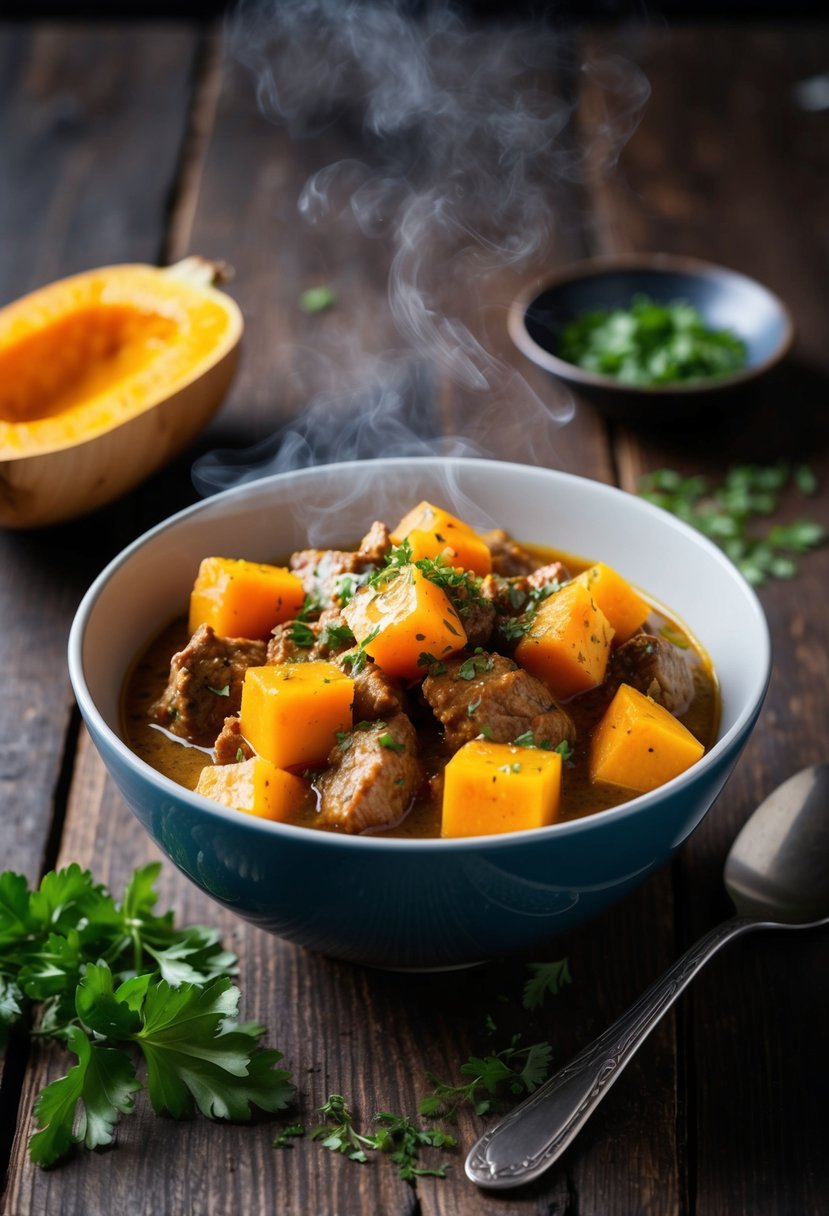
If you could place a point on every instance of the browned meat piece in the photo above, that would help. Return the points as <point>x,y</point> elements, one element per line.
<point>476,612</point>
<point>376,694</point>
<point>375,544</point>
<point>489,694</point>
<point>510,596</point>
<point>231,746</point>
<point>302,641</point>
<point>372,777</point>
<point>656,668</point>
<point>205,685</point>
<point>508,558</point>
<point>284,648</point>
<point>320,569</point>
<point>553,572</point>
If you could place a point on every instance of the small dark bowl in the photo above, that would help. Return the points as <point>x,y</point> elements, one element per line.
<point>724,298</point>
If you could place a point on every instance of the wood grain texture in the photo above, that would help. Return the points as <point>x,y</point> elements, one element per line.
<point>705,172</point>
<point>87,164</point>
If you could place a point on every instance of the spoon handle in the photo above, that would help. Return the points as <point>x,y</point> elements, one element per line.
<point>533,1135</point>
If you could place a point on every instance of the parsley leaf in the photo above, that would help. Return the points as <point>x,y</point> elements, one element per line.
<point>337,1133</point>
<point>547,980</point>
<point>111,976</point>
<point>512,1071</point>
<point>728,515</point>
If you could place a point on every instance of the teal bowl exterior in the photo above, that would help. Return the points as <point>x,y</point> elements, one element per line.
<point>408,904</point>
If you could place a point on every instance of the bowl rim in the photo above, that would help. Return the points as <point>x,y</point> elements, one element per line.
<point>165,786</point>
<point>590,268</point>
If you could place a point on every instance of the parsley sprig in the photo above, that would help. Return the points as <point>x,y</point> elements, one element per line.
<point>546,980</point>
<point>492,1080</point>
<point>400,1137</point>
<point>728,514</point>
<point>112,977</point>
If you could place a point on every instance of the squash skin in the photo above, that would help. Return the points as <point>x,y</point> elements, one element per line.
<point>84,458</point>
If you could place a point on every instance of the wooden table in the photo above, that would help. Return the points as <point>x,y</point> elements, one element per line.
<point>142,143</point>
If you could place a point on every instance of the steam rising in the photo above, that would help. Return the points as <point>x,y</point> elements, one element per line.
<point>465,148</point>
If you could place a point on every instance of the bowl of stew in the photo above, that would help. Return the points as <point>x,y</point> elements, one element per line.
<point>653,338</point>
<point>454,793</point>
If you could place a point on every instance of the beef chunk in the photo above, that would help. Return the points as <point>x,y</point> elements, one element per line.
<point>370,784</point>
<point>375,544</point>
<point>656,668</point>
<point>205,685</point>
<point>508,557</point>
<point>303,641</point>
<point>320,569</point>
<point>231,746</point>
<point>477,616</point>
<point>511,596</point>
<point>376,694</point>
<point>553,572</point>
<point>490,694</point>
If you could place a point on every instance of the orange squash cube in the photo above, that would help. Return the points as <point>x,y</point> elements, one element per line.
<point>568,643</point>
<point>614,596</point>
<point>498,787</point>
<point>291,714</point>
<point>402,619</point>
<point>254,786</point>
<point>432,531</point>
<point>242,599</point>
<point>639,745</point>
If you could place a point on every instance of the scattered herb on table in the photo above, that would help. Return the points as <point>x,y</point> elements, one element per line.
<point>110,978</point>
<point>317,299</point>
<point>514,1071</point>
<point>546,980</point>
<point>728,514</point>
<point>651,343</point>
<point>399,1137</point>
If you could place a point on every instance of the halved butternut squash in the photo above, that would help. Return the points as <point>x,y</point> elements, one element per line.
<point>104,377</point>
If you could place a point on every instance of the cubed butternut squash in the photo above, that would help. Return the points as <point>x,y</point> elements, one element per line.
<point>402,619</point>
<point>242,599</point>
<point>614,596</point>
<point>292,713</point>
<point>639,745</point>
<point>499,787</point>
<point>568,642</point>
<point>256,787</point>
<point>432,531</point>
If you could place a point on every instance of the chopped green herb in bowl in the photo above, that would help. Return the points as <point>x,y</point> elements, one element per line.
<point>652,338</point>
<point>651,343</point>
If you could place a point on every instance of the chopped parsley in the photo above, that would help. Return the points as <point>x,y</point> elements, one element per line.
<point>651,343</point>
<point>219,692</point>
<point>356,660</point>
<point>475,665</point>
<point>302,634</point>
<point>729,513</point>
<point>492,1083</point>
<point>394,745</point>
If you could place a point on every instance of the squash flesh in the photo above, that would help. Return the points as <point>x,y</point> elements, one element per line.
<point>85,353</point>
<point>89,353</point>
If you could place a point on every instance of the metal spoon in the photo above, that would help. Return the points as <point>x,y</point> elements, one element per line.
<point>777,874</point>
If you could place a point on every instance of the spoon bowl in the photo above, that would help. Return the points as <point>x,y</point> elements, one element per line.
<point>777,875</point>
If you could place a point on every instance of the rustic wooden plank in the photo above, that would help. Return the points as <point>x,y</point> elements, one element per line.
<point>87,168</point>
<point>735,175</point>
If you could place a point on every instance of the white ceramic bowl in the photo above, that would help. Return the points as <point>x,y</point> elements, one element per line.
<point>419,903</point>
